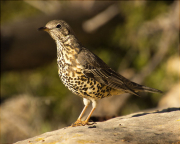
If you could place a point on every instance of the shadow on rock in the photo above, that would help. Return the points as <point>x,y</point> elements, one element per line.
<point>162,111</point>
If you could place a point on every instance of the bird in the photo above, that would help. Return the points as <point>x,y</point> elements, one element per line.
<point>84,73</point>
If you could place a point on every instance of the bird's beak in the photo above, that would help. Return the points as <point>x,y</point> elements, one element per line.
<point>43,29</point>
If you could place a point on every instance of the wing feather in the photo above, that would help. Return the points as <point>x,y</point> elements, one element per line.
<point>95,68</point>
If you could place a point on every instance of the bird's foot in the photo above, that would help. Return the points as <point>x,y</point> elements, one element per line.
<point>81,123</point>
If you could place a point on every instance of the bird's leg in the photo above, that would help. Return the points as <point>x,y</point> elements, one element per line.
<point>82,113</point>
<point>94,104</point>
<point>87,119</point>
<point>78,121</point>
<point>83,123</point>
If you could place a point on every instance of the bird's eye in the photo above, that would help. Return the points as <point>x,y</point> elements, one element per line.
<point>58,26</point>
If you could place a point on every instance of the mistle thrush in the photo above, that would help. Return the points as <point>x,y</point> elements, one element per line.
<point>84,73</point>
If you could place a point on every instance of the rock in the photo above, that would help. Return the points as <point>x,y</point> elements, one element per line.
<point>154,127</point>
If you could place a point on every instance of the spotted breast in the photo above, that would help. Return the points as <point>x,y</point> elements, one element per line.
<point>71,73</point>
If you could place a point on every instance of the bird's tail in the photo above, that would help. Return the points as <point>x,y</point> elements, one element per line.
<point>142,88</point>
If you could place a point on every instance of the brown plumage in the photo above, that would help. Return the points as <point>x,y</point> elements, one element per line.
<point>84,73</point>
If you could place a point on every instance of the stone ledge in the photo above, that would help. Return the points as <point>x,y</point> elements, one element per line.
<point>154,127</point>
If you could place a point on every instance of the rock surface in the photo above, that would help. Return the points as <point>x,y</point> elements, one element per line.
<point>155,127</point>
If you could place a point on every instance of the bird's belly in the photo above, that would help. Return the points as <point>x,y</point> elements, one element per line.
<point>83,86</point>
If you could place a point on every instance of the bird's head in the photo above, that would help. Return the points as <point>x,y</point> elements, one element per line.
<point>58,29</point>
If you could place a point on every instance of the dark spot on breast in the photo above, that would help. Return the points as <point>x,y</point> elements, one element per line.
<point>85,89</point>
<point>78,72</point>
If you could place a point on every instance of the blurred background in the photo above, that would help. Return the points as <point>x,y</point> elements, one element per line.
<point>138,39</point>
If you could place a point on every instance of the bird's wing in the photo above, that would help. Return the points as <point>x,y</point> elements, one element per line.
<point>95,68</point>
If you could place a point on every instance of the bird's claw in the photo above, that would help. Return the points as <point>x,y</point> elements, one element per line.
<point>79,123</point>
